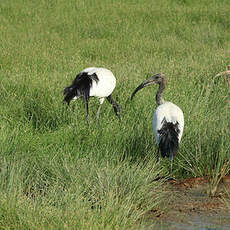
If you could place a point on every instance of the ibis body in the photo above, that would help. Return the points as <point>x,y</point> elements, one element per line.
<point>168,120</point>
<point>93,82</point>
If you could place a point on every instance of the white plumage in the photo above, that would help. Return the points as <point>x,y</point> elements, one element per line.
<point>172,113</point>
<point>105,85</point>
<point>168,120</point>
<point>93,82</point>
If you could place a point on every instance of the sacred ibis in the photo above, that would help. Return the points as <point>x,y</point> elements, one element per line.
<point>168,120</point>
<point>93,82</point>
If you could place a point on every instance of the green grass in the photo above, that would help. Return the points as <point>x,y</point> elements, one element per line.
<point>58,173</point>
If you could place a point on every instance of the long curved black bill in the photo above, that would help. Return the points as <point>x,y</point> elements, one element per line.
<point>136,90</point>
<point>142,85</point>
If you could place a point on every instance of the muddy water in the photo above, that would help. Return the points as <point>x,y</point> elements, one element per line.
<point>194,222</point>
<point>190,208</point>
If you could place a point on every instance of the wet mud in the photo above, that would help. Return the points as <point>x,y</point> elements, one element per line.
<point>189,207</point>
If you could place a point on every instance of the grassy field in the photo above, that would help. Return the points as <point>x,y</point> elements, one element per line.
<point>58,173</point>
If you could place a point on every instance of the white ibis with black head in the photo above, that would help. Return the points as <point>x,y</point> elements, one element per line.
<point>93,82</point>
<point>168,120</point>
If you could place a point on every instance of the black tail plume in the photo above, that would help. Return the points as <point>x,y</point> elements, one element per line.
<point>169,141</point>
<point>80,86</point>
<point>69,93</point>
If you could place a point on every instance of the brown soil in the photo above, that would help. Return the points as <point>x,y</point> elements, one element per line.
<point>190,207</point>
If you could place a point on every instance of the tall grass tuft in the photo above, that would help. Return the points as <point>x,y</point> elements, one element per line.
<point>76,193</point>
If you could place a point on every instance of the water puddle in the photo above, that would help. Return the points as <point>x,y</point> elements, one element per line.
<point>190,208</point>
<point>194,222</point>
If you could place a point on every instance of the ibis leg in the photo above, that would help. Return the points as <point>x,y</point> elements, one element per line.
<point>116,107</point>
<point>99,109</point>
<point>158,155</point>
<point>171,168</point>
<point>87,110</point>
<point>98,112</point>
<point>158,151</point>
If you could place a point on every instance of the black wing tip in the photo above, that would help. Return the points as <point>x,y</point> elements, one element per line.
<point>67,90</point>
<point>69,94</point>
<point>66,102</point>
<point>67,99</point>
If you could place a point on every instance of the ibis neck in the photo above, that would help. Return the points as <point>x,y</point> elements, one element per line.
<point>159,98</point>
